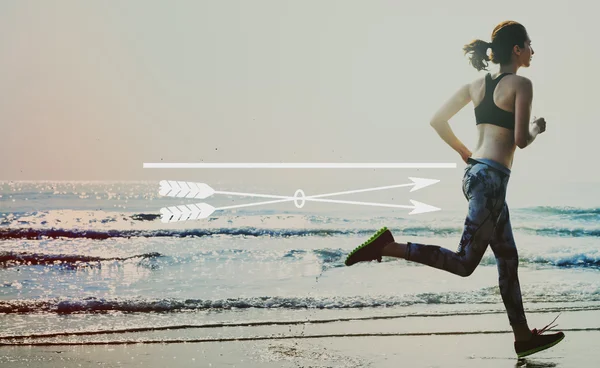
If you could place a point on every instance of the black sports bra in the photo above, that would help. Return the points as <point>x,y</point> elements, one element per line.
<point>488,112</point>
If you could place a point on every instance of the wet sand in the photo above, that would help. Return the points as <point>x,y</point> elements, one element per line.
<point>450,341</point>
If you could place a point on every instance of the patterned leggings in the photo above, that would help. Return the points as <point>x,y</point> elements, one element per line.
<point>487,222</point>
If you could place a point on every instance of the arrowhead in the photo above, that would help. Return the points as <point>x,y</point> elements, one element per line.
<point>422,208</point>
<point>422,183</point>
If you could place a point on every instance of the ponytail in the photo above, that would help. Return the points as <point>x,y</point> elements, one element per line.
<point>478,50</point>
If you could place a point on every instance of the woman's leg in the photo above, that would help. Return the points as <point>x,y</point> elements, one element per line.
<point>485,189</point>
<point>507,259</point>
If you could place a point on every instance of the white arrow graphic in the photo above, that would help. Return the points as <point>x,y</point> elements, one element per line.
<point>183,189</point>
<point>420,183</point>
<point>203,210</point>
<point>186,189</point>
<point>186,212</point>
<point>417,207</point>
<point>421,208</point>
<point>298,165</point>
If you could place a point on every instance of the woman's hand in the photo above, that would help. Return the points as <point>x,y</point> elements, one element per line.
<point>539,125</point>
<point>465,154</point>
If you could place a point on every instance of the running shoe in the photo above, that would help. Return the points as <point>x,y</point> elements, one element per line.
<point>371,249</point>
<point>538,341</point>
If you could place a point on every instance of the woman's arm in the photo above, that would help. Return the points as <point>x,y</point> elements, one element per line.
<point>525,132</point>
<point>440,120</point>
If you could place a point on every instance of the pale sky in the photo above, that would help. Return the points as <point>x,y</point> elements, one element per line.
<point>90,90</point>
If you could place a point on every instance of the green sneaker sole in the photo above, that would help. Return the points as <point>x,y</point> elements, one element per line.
<point>374,237</point>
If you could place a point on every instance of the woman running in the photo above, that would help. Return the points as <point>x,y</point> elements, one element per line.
<point>502,111</point>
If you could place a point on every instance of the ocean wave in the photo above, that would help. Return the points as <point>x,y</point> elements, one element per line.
<point>145,305</point>
<point>99,225</point>
<point>178,233</point>
<point>336,257</point>
<point>40,233</point>
<point>329,258</point>
<point>25,258</point>
<point>562,232</point>
<point>567,261</point>
<point>563,210</point>
<point>578,260</point>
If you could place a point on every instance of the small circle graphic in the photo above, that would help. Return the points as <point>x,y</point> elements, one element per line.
<point>299,195</point>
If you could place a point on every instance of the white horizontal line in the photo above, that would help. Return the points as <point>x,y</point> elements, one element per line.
<point>298,165</point>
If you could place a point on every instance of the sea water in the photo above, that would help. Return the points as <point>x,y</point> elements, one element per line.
<point>89,256</point>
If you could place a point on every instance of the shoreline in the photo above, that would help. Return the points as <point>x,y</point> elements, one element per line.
<point>491,350</point>
<point>445,341</point>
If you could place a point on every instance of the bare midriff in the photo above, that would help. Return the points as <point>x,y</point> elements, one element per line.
<point>495,143</point>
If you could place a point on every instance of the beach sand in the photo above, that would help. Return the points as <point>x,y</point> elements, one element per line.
<point>410,342</point>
